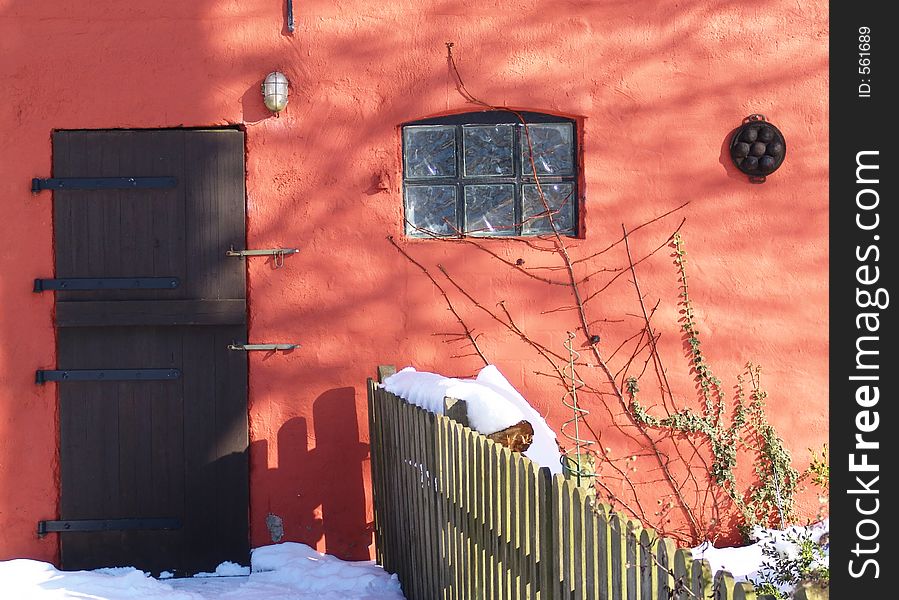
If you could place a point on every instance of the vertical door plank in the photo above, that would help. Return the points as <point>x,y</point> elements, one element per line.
<point>213,225</point>
<point>199,433</point>
<point>231,442</point>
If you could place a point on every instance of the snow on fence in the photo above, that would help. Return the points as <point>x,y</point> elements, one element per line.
<point>458,516</point>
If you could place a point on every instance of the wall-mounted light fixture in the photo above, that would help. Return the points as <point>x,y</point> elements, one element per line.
<point>758,148</point>
<point>274,91</point>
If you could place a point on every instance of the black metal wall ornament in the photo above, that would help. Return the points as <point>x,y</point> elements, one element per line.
<point>758,148</point>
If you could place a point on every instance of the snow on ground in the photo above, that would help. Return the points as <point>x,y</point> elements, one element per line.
<point>287,571</point>
<point>226,569</point>
<point>492,403</point>
<point>749,562</point>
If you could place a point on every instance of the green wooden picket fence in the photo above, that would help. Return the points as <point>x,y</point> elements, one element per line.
<point>459,517</point>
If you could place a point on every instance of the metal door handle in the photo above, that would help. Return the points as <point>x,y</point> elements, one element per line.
<point>277,253</point>
<point>270,347</point>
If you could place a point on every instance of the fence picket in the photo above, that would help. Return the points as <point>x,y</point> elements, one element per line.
<point>618,544</point>
<point>744,591</point>
<point>604,550</point>
<point>811,591</point>
<point>683,563</point>
<point>701,579</point>
<point>531,530</point>
<point>450,495</point>
<point>633,555</point>
<point>375,449</point>
<point>403,559</point>
<point>591,552</point>
<point>458,485</point>
<point>440,454</point>
<point>426,428</point>
<point>479,488</point>
<point>469,482</point>
<point>414,467</point>
<point>490,453</point>
<point>665,569</point>
<point>436,504</point>
<point>649,576</point>
<point>504,520</point>
<point>450,499</point>
<point>375,462</point>
<point>393,473</point>
<point>433,537</point>
<point>559,539</point>
<point>580,500</point>
<point>388,519</point>
<point>465,523</point>
<point>514,522</point>
<point>567,537</point>
<point>724,586</point>
<point>545,533</point>
<point>407,434</point>
<point>378,450</point>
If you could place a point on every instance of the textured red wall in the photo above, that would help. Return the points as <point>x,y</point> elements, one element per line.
<point>657,88</point>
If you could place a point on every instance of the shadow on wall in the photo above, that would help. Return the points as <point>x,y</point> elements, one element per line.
<point>316,493</point>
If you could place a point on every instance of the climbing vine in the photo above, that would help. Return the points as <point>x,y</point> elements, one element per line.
<point>771,498</point>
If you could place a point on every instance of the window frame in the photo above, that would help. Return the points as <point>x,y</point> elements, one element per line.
<point>517,180</point>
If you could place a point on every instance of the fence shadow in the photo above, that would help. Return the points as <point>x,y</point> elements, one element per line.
<point>318,476</point>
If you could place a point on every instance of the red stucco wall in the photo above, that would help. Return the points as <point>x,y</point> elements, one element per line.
<point>657,87</point>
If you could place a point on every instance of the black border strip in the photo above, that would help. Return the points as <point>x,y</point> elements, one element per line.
<point>862,348</point>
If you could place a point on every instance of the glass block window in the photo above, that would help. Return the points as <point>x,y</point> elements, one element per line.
<point>473,174</point>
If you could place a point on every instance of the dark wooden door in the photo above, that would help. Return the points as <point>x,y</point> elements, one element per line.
<point>153,472</point>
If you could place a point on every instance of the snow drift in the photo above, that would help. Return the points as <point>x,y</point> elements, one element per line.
<point>493,404</point>
<point>288,571</point>
<point>748,563</point>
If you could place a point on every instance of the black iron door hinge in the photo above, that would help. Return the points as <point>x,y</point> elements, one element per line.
<point>69,375</point>
<point>84,284</point>
<point>45,527</point>
<point>102,183</point>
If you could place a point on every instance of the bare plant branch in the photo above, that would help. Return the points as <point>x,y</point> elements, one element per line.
<point>635,229</point>
<point>623,271</point>
<point>468,333</point>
